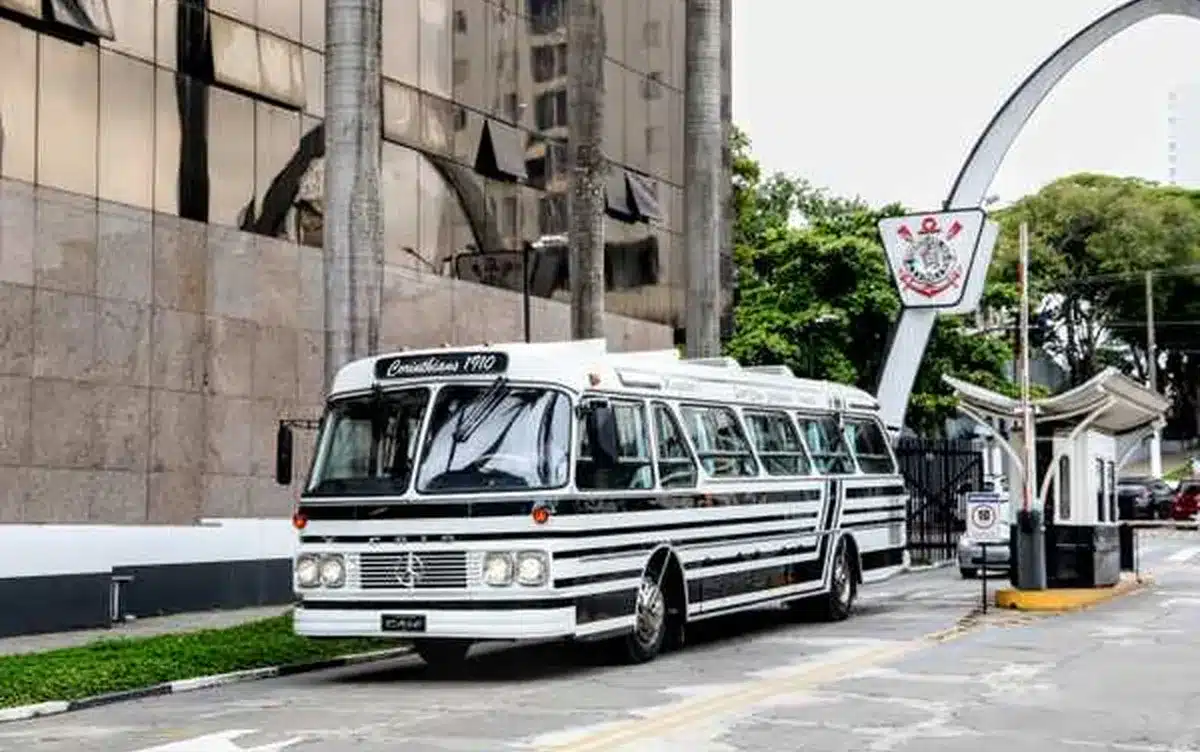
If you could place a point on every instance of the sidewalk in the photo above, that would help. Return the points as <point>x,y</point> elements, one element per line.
<point>148,627</point>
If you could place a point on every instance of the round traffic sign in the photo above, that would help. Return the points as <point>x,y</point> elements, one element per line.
<point>983,516</point>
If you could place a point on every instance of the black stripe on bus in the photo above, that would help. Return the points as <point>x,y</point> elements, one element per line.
<point>438,537</point>
<point>692,566</point>
<point>887,557</point>
<point>871,492</point>
<point>847,512</point>
<point>764,601</point>
<point>882,522</point>
<point>730,584</point>
<point>409,510</point>
<point>683,542</point>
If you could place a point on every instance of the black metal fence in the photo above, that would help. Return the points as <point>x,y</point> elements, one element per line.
<point>938,474</point>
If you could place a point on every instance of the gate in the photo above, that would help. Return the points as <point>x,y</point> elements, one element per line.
<point>937,473</point>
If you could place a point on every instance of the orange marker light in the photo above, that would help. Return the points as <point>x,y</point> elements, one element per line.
<point>299,521</point>
<point>594,379</point>
<point>541,515</point>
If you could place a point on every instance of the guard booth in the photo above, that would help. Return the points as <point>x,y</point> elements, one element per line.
<point>1083,436</point>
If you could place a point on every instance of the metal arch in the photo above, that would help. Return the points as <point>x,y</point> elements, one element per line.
<point>989,151</point>
<point>912,332</point>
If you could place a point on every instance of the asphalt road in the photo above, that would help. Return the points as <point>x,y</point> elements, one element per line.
<point>907,672</point>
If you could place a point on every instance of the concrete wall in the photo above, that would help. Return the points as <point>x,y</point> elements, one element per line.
<point>145,359</point>
<point>58,577</point>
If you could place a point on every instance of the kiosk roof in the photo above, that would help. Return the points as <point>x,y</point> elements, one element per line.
<point>1132,405</point>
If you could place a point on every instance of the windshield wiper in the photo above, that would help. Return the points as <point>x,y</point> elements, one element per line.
<point>478,410</point>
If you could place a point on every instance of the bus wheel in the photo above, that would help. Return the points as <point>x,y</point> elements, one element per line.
<point>840,599</point>
<point>439,654</point>
<point>650,623</point>
<point>836,604</point>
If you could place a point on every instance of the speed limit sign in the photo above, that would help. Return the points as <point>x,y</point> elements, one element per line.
<point>985,520</point>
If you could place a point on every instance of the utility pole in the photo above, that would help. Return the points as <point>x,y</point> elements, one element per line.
<point>588,168</point>
<point>702,186</point>
<point>1031,539</point>
<point>1152,376</point>
<point>353,233</point>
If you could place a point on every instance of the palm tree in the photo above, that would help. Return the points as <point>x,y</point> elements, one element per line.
<point>588,168</point>
<point>703,191</point>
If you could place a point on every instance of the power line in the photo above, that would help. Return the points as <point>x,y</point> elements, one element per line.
<point>1132,275</point>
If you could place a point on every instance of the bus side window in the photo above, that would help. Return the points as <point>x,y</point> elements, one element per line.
<point>634,468</point>
<point>676,468</point>
<point>827,445</point>
<point>870,447</point>
<point>719,441</point>
<point>777,443</point>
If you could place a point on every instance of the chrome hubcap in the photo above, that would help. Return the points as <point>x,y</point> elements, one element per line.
<point>651,613</point>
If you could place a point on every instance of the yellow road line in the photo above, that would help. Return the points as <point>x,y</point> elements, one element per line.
<point>753,693</point>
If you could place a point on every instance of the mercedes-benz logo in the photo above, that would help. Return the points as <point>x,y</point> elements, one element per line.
<point>408,571</point>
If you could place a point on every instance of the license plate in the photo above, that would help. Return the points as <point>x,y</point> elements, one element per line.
<point>402,623</point>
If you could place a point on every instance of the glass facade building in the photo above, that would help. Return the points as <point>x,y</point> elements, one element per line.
<point>161,223</point>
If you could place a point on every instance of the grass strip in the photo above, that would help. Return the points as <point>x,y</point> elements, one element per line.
<point>113,665</point>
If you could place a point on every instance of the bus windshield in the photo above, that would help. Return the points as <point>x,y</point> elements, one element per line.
<point>368,445</point>
<point>496,438</point>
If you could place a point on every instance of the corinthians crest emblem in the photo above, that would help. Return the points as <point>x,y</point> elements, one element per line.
<point>929,265</point>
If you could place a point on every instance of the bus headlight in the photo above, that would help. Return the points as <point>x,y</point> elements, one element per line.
<point>532,568</point>
<point>498,569</point>
<point>333,571</point>
<point>308,572</point>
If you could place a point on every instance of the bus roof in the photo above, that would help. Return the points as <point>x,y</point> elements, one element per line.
<point>581,365</point>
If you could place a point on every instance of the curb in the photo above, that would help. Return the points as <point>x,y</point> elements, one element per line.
<point>1068,599</point>
<point>41,709</point>
<point>929,567</point>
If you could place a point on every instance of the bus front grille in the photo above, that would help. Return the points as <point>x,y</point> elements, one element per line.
<point>413,570</point>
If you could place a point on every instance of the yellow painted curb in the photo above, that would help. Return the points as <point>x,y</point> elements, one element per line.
<point>1067,599</point>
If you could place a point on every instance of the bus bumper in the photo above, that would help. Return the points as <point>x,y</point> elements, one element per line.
<point>330,620</point>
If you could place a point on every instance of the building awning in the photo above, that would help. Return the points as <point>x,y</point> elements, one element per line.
<point>501,152</point>
<point>631,197</point>
<point>1130,405</point>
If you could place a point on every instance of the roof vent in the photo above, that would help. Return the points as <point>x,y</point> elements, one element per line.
<point>715,362</point>
<point>772,370</point>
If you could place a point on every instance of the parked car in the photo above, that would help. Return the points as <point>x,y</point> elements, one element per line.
<point>1187,501</point>
<point>971,557</point>
<point>1145,499</point>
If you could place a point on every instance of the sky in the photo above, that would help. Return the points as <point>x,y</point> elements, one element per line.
<point>884,98</point>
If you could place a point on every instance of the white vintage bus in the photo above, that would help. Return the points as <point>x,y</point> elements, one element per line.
<point>562,491</point>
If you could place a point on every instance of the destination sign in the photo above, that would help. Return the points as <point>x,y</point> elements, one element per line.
<point>449,364</point>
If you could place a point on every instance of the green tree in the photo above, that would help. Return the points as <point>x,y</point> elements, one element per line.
<point>1092,239</point>
<point>816,295</point>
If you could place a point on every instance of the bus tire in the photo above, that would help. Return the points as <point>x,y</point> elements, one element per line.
<point>838,603</point>
<point>442,654</point>
<point>650,623</point>
<point>843,585</point>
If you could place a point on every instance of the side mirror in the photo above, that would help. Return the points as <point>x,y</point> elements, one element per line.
<point>283,455</point>
<point>600,422</point>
